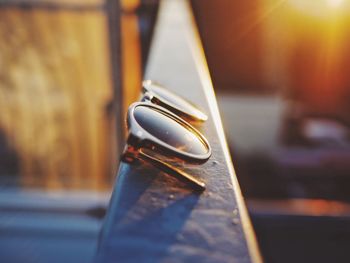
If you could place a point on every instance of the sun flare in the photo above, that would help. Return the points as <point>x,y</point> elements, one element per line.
<point>335,3</point>
<point>322,8</point>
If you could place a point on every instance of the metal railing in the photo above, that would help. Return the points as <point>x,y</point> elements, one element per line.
<point>151,217</point>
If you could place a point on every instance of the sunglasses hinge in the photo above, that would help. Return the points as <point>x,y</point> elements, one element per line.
<point>147,97</point>
<point>129,155</point>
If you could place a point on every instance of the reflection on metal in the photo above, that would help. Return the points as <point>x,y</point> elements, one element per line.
<point>56,94</point>
<point>182,176</point>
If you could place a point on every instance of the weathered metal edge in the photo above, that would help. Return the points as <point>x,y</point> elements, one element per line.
<point>204,75</point>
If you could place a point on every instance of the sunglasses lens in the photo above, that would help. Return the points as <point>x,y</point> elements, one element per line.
<point>179,102</point>
<point>168,130</point>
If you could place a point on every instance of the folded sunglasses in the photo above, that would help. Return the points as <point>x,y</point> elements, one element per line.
<point>159,126</point>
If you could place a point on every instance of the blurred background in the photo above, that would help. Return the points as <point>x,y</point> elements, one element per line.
<point>69,69</point>
<point>280,71</point>
<point>58,139</point>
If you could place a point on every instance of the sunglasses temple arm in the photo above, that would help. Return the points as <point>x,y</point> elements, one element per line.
<point>178,174</point>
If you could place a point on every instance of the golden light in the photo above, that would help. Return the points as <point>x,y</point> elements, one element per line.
<point>335,3</point>
<point>321,8</point>
<point>318,40</point>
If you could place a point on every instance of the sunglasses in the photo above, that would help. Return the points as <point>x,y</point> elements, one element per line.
<point>159,127</point>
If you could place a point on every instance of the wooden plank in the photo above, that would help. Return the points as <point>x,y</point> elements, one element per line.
<point>131,58</point>
<point>77,4</point>
<point>153,218</point>
<point>55,86</point>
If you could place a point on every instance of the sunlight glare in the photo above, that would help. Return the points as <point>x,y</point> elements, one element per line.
<point>322,8</point>
<point>335,3</point>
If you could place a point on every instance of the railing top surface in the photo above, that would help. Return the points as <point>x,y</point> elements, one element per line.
<point>151,217</point>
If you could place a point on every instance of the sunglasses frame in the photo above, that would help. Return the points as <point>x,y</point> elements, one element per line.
<point>153,97</point>
<point>140,138</point>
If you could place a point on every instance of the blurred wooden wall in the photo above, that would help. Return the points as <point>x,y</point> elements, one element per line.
<point>60,98</point>
<point>131,52</point>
